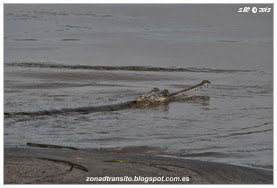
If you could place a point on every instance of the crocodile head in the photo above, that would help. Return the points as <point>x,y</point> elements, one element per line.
<point>154,96</point>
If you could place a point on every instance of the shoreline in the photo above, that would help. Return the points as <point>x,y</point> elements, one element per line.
<point>64,166</point>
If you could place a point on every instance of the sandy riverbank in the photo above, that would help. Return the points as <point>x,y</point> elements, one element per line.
<point>62,166</point>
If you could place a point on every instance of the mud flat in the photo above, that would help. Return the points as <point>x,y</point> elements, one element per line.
<point>65,166</point>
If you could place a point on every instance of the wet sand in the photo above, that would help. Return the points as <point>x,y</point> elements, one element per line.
<point>63,166</point>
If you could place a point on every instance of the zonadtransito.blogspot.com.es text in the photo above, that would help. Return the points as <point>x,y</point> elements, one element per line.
<point>137,179</point>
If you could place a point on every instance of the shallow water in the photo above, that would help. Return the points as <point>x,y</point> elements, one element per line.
<point>78,56</point>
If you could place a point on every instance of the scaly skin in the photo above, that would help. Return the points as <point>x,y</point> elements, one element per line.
<point>157,96</point>
<point>153,98</point>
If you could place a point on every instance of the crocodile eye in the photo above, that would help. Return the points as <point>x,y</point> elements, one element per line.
<point>205,83</point>
<point>155,89</point>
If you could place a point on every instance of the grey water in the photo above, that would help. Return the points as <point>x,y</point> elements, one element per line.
<point>72,56</point>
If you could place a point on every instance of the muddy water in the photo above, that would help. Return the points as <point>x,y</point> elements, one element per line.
<point>72,56</point>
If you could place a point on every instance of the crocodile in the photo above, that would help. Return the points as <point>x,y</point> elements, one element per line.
<point>155,97</point>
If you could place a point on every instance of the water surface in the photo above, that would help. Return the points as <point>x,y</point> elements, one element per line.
<point>71,56</point>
